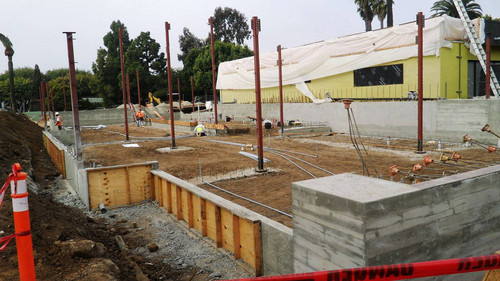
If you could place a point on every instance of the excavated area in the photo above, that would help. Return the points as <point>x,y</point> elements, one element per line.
<point>70,244</point>
<point>222,164</point>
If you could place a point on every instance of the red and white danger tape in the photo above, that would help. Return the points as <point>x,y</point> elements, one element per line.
<point>393,272</point>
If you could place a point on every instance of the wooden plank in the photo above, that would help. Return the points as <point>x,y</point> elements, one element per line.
<point>107,187</point>
<point>236,237</point>
<point>190,209</point>
<point>185,205</point>
<point>178,202</point>
<point>157,184</point>
<point>250,243</point>
<point>214,223</point>
<point>140,183</point>
<point>169,197</point>
<point>173,192</point>
<point>203,216</point>
<point>197,213</point>
<point>227,230</point>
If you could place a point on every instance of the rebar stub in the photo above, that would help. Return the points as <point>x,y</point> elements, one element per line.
<point>393,170</point>
<point>455,156</point>
<point>491,149</point>
<point>466,138</point>
<point>347,103</point>
<point>428,160</point>
<point>417,167</point>
<point>486,128</point>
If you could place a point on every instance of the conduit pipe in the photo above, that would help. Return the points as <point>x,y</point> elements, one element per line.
<point>244,198</point>
<point>296,158</point>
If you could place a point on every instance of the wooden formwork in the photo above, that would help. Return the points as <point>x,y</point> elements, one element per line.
<point>120,185</point>
<point>236,233</point>
<point>56,154</point>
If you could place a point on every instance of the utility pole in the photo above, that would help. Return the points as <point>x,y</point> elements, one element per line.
<point>211,21</point>
<point>256,29</point>
<point>124,90</point>
<point>172,127</point>
<point>74,96</point>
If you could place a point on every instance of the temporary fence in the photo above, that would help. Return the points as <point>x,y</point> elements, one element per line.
<point>19,189</point>
<point>394,272</point>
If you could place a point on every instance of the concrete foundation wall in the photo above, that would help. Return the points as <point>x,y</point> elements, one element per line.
<point>349,220</point>
<point>277,248</point>
<point>446,120</point>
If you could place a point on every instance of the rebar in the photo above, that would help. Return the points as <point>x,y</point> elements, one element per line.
<point>296,158</point>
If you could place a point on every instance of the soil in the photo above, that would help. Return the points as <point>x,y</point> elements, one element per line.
<point>222,165</point>
<point>70,244</point>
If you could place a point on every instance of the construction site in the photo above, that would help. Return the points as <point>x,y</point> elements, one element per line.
<point>367,150</point>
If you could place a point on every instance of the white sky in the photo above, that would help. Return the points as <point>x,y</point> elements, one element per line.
<point>35,27</point>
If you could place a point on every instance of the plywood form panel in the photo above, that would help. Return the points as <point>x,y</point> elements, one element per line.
<point>168,196</point>
<point>185,205</point>
<point>227,230</point>
<point>197,213</point>
<point>250,244</point>
<point>140,183</point>
<point>178,195</point>
<point>173,194</point>
<point>106,186</point>
<point>214,223</point>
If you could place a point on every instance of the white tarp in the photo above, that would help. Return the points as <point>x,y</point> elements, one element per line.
<point>344,54</point>
<point>302,87</point>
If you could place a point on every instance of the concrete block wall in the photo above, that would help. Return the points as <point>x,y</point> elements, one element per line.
<point>348,220</point>
<point>446,120</point>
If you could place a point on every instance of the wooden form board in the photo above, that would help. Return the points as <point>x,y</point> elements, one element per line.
<point>121,185</point>
<point>236,234</point>
<point>56,154</point>
<point>180,123</point>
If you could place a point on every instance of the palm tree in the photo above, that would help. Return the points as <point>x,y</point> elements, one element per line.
<point>365,10</point>
<point>9,52</point>
<point>389,13</point>
<point>380,9</point>
<point>446,7</point>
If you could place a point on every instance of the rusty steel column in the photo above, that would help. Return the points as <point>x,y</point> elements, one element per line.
<point>74,97</point>
<point>280,64</point>
<point>44,115</point>
<point>211,21</point>
<point>256,29</point>
<point>488,64</point>
<point>138,89</point>
<point>192,91</point>
<point>64,91</point>
<point>420,23</point>
<point>171,98</point>
<point>124,91</point>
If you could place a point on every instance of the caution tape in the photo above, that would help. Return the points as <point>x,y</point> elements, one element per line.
<point>4,241</point>
<point>394,272</point>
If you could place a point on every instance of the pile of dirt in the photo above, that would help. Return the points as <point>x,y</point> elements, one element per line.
<point>68,244</point>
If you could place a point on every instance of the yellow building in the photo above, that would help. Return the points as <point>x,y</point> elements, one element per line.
<point>380,64</point>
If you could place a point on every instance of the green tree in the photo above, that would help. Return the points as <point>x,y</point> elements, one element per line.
<point>107,66</point>
<point>187,42</point>
<point>9,52</point>
<point>446,7</point>
<point>365,10</point>
<point>389,13</point>
<point>200,62</point>
<point>87,87</point>
<point>144,55</point>
<point>490,18</point>
<point>380,10</point>
<point>230,25</point>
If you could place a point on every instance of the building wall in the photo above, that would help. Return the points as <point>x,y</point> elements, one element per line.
<point>444,76</point>
<point>348,220</point>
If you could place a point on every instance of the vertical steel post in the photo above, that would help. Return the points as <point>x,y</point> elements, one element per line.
<point>256,29</point>
<point>74,96</point>
<point>192,91</point>
<point>44,115</point>
<point>420,23</point>
<point>138,89</point>
<point>211,21</point>
<point>280,65</point>
<point>171,98</point>
<point>64,91</point>
<point>488,64</point>
<point>124,91</point>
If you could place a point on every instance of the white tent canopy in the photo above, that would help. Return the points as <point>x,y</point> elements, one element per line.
<point>344,54</point>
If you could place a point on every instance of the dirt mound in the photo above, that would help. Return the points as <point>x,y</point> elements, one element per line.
<point>67,244</point>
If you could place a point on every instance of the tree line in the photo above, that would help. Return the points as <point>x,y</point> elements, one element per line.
<point>142,56</point>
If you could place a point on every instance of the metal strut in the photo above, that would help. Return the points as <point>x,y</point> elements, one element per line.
<point>476,45</point>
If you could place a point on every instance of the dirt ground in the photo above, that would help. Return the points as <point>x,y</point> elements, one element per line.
<point>72,245</point>
<point>222,164</point>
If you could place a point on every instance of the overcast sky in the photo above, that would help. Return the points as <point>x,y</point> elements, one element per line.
<point>35,27</point>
